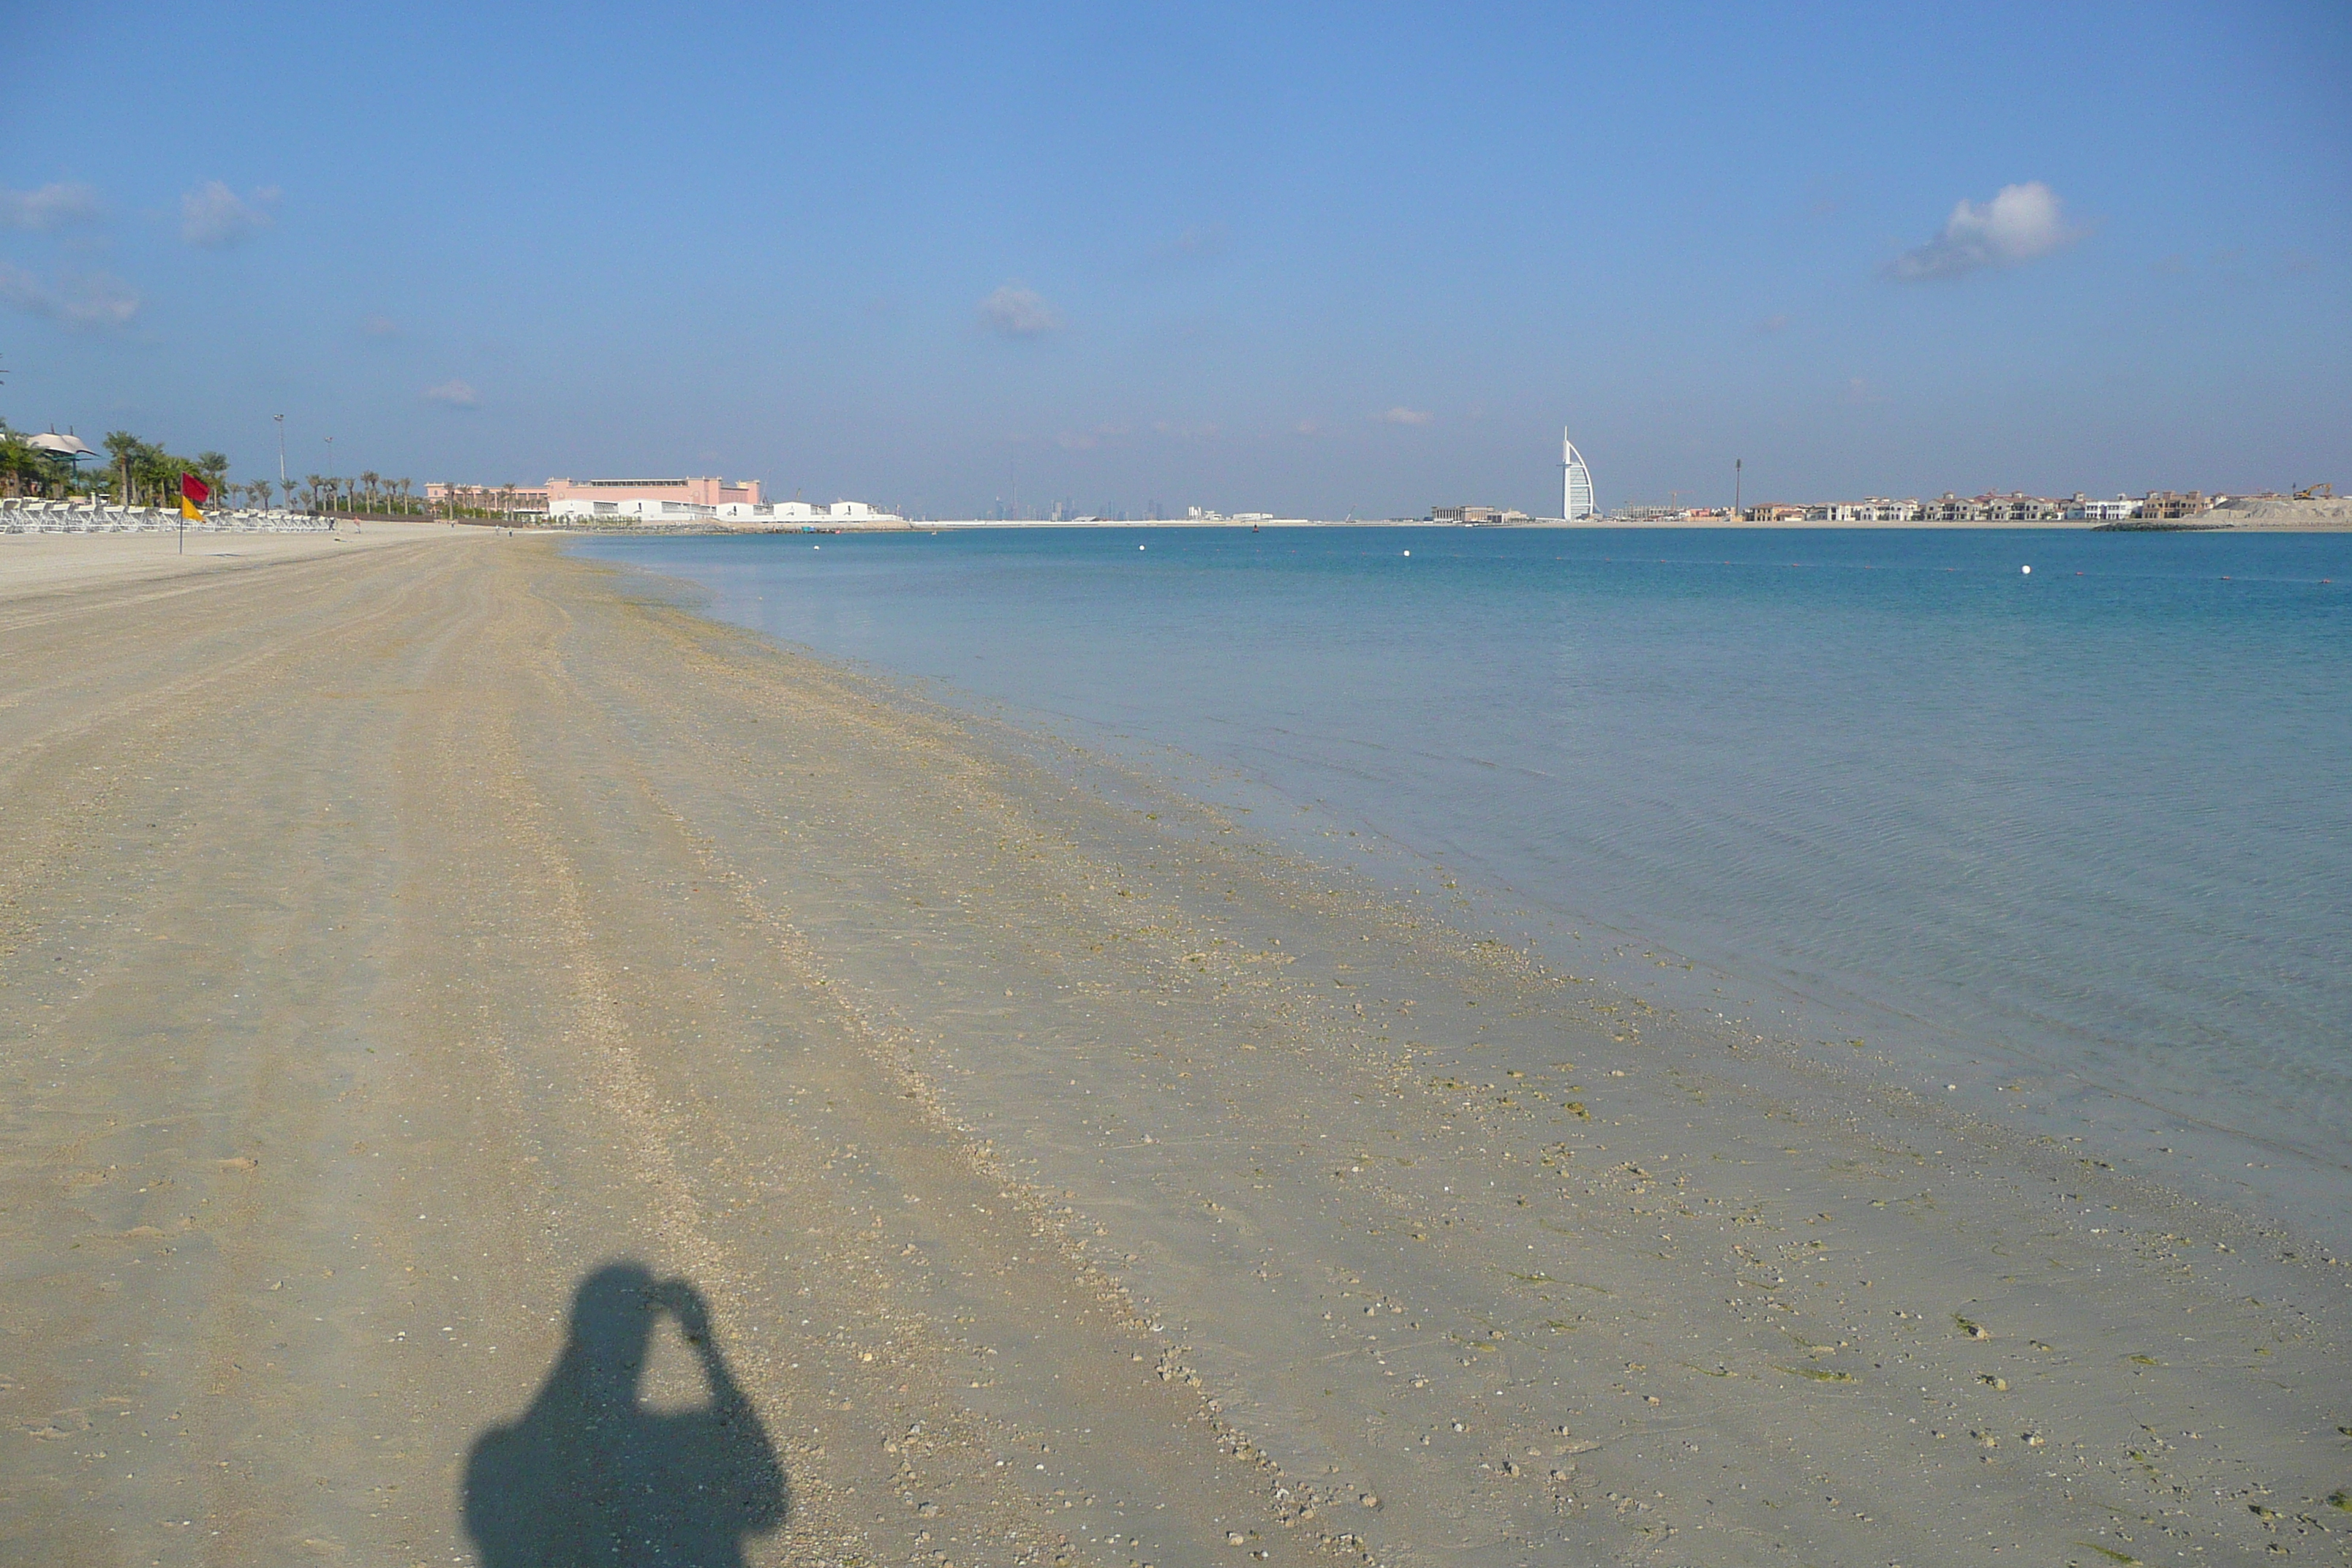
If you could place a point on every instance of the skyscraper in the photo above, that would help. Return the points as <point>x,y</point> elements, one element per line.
<point>1576,483</point>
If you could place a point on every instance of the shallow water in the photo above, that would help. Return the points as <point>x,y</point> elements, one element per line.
<point>2093,820</point>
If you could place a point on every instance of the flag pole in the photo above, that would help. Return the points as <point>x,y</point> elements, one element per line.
<point>193,492</point>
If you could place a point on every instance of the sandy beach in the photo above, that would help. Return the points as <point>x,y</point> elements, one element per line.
<point>46,564</point>
<point>485,1039</point>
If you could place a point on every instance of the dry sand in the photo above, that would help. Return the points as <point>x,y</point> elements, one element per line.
<point>391,937</point>
<point>2322,514</point>
<point>46,563</point>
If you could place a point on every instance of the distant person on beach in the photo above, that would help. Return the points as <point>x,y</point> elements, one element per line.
<point>588,1476</point>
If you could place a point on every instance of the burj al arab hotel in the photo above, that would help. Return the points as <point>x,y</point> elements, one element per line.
<point>1576,483</point>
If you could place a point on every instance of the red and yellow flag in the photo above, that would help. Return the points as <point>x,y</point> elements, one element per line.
<point>194,493</point>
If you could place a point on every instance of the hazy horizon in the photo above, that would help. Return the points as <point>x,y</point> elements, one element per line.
<point>1318,263</point>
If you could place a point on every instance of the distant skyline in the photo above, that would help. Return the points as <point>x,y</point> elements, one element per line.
<point>1312,261</point>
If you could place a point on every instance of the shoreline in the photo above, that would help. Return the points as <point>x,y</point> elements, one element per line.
<point>2197,1133</point>
<point>724,530</point>
<point>1072,1172</point>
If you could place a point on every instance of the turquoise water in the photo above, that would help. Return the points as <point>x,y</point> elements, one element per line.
<point>2094,821</point>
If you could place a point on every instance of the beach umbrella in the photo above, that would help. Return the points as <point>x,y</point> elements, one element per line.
<point>70,447</point>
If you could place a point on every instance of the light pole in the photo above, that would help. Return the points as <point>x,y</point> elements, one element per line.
<point>281,449</point>
<point>1737,464</point>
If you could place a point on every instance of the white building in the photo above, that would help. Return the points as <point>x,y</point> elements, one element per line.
<point>1877,509</point>
<point>743,514</point>
<point>633,511</point>
<point>803,513</point>
<point>1576,502</point>
<point>2089,510</point>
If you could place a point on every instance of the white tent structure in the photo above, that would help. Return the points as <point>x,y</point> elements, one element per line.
<point>69,446</point>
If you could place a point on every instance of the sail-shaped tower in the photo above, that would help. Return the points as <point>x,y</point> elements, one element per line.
<point>1576,483</point>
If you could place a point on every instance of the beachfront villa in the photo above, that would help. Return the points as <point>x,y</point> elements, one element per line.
<point>696,501</point>
<point>1476,516</point>
<point>713,494</point>
<point>707,498</point>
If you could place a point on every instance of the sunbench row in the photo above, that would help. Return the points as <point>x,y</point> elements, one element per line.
<point>64,517</point>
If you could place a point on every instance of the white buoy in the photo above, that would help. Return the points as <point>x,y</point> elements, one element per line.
<point>1139,547</point>
<point>1407,552</point>
<point>2027,570</point>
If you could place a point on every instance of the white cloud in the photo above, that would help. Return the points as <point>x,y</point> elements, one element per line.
<point>2018,224</point>
<point>1014,312</point>
<point>1197,241</point>
<point>95,300</point>
<point>1402,415</point>
<point>454,395</point>
<point>51,206</point>
<point>214,215</point>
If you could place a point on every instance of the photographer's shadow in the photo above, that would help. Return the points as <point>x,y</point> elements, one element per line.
<point>590,1476</point>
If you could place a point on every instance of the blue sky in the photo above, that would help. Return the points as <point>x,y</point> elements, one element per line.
<point>1358,259</point>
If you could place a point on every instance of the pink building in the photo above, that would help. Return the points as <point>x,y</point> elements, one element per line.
<point>487,498</point>
<point>694,493</point>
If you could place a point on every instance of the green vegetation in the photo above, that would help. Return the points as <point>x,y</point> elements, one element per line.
<point>26,470</point>
<point>140,472</point>
<point>147,475</point>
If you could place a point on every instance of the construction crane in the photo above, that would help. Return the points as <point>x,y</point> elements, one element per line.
<point>2315,492</point>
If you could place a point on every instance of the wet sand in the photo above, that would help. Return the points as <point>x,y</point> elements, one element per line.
<point>1023,1164</point>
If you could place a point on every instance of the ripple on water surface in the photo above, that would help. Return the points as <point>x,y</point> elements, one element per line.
<point>2096,815</point>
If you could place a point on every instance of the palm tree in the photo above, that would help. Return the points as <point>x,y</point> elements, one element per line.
<point>314,483</point>
<point>369,480</point>
<point>213,468</point>
<point>17,460</point>
<point>125,448</point>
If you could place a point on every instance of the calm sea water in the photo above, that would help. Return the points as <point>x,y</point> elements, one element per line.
<point>2093,820</point>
